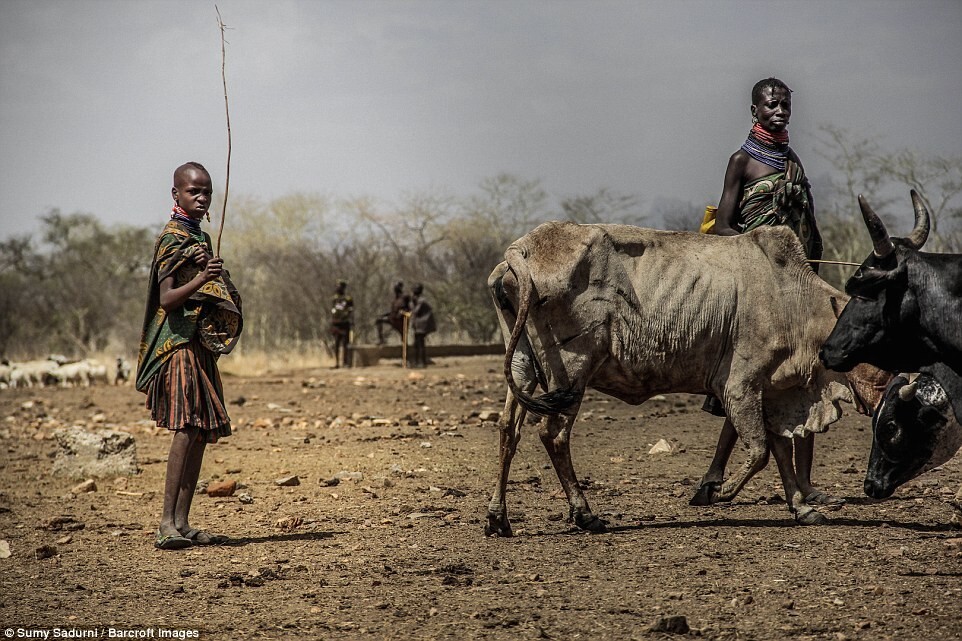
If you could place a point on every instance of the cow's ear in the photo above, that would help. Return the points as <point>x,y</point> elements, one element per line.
<point>836,306</point>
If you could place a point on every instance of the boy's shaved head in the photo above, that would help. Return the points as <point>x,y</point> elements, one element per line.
<point>186,167</point>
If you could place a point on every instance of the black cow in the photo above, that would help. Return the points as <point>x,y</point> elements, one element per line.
<point>905,315</point>
<point>915,428</point>
<point>906,306</point>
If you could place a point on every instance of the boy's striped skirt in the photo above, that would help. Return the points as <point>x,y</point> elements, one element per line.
<point>187,392</point>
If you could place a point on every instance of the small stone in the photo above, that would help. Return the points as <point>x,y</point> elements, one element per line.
<point>489,416</point>
<point>344,475</point>
<point>82,488</point>
<point>58,523</point>
<point>288,523</point>
<point>221,488</point>
<point>4,550</point>
<point>661,447</point>
<point>677,624</point>
<point>45,552</point>
<point>287,481</point>
<point>245,498</point>
<point>64,540</point>
<point>331,482</point>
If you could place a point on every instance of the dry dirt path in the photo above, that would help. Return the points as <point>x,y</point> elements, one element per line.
<point>398,552</point>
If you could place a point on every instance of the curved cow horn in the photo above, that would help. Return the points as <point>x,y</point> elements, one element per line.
<point>907,392</point>
<point>876,229</point>
<point>921,230</point>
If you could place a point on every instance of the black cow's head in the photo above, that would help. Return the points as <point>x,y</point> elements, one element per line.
<point>914,430</point>
<point>879,324</point>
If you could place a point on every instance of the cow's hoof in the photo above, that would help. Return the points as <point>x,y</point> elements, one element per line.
<point>590,523</point>
<point>706,493</point>
<point>812,517</point>
<point>499,527</point>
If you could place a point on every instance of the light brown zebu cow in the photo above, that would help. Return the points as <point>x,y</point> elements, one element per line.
<point>635,312</point>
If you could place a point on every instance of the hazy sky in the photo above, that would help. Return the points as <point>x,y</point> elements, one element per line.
<point>101,99</point>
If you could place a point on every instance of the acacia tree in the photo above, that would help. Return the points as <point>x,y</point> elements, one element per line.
<point>864,166</point>
<point>603,206</point>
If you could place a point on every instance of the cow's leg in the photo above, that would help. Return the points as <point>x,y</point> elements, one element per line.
<point>804,456</point>
<point>555,433</point>
<point>710,483</point>
<point>746,416</point>
<point>509,426</point>
<point>805,514</point>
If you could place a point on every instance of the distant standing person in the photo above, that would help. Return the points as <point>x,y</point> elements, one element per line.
<point>765,184</point>
<point>395,317</point>
<point>193,316</point>
<point>342,319</point>
<point>422,324</point>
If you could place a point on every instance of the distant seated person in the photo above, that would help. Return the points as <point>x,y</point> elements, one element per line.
<point>395,317</point>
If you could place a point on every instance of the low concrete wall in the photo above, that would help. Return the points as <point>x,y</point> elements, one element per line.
<point>368,355</point>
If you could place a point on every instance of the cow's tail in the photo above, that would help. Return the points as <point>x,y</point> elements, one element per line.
<point>560,401</point>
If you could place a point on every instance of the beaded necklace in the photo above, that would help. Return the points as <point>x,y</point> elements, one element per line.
<point>767,147</point>
<point>193,226</point>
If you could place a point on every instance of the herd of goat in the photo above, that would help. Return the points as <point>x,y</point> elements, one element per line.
<point>59,371</point>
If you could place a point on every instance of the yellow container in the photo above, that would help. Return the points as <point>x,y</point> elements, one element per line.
<point>708,224</point>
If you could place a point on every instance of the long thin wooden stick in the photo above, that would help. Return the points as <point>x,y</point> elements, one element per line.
<point>834,262</point>
<point>223,76</point>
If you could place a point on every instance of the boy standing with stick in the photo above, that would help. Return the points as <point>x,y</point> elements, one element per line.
<point>193,315</point>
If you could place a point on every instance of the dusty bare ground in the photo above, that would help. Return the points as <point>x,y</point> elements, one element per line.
<point>400,553</point>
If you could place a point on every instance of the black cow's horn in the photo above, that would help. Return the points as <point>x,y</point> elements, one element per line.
<point>876,229</point>
<point>907,392</point>
<point>921,230</point>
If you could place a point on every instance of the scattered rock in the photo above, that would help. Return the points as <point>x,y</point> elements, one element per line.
<point>82,488</point>
<point>288,523</point>
<point>84,454</point>
<point>45,552</point>
<point>661,447</point>
<point>677,624</point>
<point>287,481</point>
<point>221,488</point>
<point>68,523</point>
